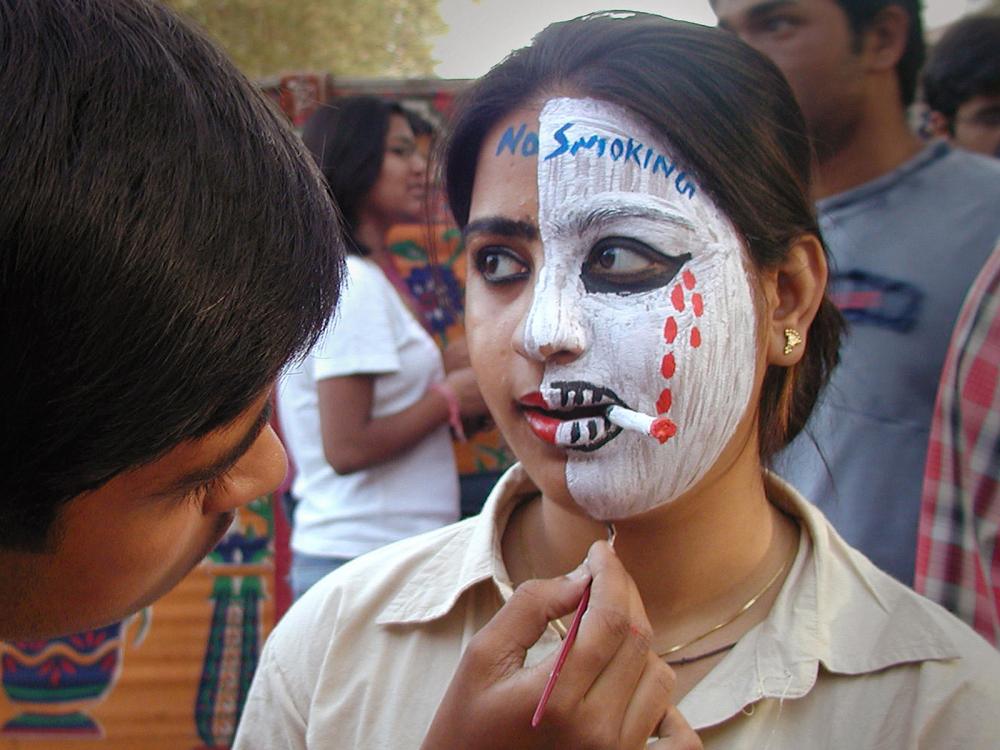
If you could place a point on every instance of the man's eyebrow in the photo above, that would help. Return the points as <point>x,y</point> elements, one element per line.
<point>761,10</point>
<point>223,463</point>
<point>502,227</point>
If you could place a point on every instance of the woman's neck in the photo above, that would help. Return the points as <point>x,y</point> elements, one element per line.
<point>372,235</point>
<point>696,561</point>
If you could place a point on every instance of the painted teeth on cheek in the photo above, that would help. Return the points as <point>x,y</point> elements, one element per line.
<point>585,434</point>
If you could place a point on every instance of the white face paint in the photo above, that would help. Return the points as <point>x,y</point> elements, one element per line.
<point>644,277</point>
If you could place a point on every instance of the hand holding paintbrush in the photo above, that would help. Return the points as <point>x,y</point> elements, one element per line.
<point>611,685</point>
<point>568,641</point>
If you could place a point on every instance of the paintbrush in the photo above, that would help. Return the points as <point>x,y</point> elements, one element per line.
<point>660,428</point>
<point>536,719</point>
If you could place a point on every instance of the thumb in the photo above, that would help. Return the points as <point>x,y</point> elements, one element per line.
<point>522,620</point>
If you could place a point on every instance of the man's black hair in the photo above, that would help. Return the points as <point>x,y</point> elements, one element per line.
<point>965,63</point>
<point>166,246</point>
<point>860,13</point>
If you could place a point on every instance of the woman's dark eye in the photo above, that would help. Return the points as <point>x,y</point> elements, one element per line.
<point>499,265</point>
<point>626,266</point>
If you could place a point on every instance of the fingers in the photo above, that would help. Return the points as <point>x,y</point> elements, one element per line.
<point>650,703</point>
<point>606,664</point>
<point>676,734</point>
<point>522,620</point>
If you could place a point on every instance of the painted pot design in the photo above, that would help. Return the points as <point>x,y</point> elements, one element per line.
<point>54,683</point>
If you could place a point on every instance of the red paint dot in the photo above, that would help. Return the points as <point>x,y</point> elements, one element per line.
<point>670,330</point>
<point>663,429</point>
<point>669,366</point>
<point>698,304</point>
<point>688,279</point>
<point>677,297</point>
<point>695,337</point>
<point>663,402</point>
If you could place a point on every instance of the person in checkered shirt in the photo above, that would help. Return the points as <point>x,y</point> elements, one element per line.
<point>958,559</point>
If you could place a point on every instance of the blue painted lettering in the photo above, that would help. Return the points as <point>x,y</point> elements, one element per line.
<point>560,136</point>
<point>510,139</point>
<point>684,185</point>
<point>597,145</point>
<point>632,151</point>
<point>661,164</point>
<point>589,143</point>
<point>530,145</point>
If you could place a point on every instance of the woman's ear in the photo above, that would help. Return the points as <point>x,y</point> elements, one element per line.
<point>795,290</point>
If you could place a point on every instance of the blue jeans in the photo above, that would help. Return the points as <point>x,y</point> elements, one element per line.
<point>308,569</point>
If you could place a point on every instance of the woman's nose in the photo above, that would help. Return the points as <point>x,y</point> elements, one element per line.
<point>419,162</point>
<point>554,327</point>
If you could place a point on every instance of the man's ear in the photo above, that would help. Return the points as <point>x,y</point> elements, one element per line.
<point>885,38</point>
<point>794,291</point>
<point>938,125</point>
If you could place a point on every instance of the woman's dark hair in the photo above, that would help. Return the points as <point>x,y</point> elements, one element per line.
<point>733,122</point>
<point>166,247</point>
<point>347,140</point>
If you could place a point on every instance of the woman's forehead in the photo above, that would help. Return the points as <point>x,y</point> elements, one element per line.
<point>558,157</point>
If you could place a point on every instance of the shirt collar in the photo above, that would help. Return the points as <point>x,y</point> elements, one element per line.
<point>468,557</point>
<point>929,154</point>
<point>835,609</point>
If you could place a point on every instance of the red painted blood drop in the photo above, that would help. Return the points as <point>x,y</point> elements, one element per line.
<point>677,297</point>
<point>688,279</point>
<point>670,330</point>
<point>663,402</point>
<point>669,366</point>
<point>695,338</point>
<point>698,304</point>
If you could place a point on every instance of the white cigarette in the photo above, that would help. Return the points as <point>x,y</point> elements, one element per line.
<point>660,428</point>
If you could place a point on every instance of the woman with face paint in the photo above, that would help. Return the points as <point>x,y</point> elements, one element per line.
<point>647,318</point>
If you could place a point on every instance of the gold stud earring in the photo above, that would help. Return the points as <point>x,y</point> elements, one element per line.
<point>792,339</point>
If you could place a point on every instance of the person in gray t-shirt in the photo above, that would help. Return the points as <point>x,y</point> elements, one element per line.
<point>908,227</point>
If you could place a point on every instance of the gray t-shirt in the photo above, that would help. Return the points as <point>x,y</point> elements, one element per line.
<point>905,249</point>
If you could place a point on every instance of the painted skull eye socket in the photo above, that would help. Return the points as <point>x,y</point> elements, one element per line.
<point>499,265</point>
<point>621,265</point>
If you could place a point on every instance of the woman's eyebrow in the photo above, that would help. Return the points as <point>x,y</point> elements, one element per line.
<point>501,226</point>
<point>578,221</point>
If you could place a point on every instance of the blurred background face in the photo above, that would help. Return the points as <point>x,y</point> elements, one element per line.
<point>600,275</point>
<point>398,194</point>
<point>976,125</point>
<point>812,43</point>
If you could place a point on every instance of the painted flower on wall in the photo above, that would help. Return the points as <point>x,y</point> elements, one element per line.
<point>438,293</point>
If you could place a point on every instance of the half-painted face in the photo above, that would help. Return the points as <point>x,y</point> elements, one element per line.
<point>627,286</point>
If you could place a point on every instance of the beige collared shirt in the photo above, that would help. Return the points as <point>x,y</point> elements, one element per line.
<point>847,658</point>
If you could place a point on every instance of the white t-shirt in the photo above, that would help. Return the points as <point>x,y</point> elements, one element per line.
<point>372,332</point>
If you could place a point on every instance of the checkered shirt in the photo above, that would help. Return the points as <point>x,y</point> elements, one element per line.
<point>958,558</point>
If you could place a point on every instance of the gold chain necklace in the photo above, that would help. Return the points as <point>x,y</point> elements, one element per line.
<point>562,630</point>
<point>742,610</point>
